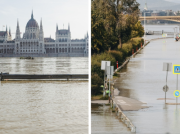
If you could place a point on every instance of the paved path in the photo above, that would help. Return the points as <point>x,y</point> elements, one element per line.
<point>128,104</point>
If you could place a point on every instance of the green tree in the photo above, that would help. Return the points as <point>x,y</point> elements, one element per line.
<point>120,14</point>
<point>137,30</point>
<point>101,40</point>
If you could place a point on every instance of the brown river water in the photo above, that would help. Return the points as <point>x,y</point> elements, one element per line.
<point>44,107</point>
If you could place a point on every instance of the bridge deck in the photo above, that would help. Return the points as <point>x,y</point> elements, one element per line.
<point>169,18</point>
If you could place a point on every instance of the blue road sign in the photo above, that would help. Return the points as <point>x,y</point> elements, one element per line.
<point>176,93</point>
<point>176,69</point>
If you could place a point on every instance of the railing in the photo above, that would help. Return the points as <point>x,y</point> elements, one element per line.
<point>124,119</point>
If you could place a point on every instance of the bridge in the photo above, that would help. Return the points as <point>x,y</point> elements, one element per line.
<point>168,18</point>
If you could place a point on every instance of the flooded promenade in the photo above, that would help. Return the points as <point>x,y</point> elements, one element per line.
<point>143,79</point>
<point>44,107</point>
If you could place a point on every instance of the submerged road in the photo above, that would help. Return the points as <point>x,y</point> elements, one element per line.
<point>143,80</point>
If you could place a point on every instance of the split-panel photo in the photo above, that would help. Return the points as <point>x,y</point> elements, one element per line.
<point>44,67</point>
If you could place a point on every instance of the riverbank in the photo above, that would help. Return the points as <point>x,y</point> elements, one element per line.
<point>119,55</point>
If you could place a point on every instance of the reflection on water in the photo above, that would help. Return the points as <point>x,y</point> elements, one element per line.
<point>59,65</point>
<point>43,107</point>
<point>104,121</point>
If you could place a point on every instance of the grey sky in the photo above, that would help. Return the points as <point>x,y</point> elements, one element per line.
<point>62,12</point>
<point>175,1</point>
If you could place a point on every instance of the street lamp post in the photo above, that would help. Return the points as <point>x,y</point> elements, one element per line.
<point>144,27</point>
<point>145,8</point>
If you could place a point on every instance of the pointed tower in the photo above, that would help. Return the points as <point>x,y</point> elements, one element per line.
<point>17,31</point>
<point>9,31</point>
<point>41,33</point>
<point>146,8</point>
<point>56,27</point>
<point>9,37</point>
<point>41,38</point>
<point>56,34</point>
<point>87,35</point>
<point>32,17</point>
<point>69,27</point>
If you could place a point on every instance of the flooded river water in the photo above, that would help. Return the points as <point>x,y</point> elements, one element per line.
<point>44,107</point>
<point>143,79</point>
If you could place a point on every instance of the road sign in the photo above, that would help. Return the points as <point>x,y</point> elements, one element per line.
<point>164,35</point>
<point>104,64</point>
<point>176,93</point>
<point>110,70</point>
<point>167,66</point>
<point>165,88</point>
<point>176,69</point>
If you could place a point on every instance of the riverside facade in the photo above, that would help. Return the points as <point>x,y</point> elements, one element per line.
<point>33,42</point>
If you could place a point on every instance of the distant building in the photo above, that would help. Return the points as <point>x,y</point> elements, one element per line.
<point>33,42</point>
<point>148,12</point>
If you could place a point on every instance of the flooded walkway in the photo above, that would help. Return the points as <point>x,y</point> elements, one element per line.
<point>104,121</point>
<point>143,79</point>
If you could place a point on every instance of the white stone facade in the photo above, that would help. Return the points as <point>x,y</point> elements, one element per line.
<point>33,42</point>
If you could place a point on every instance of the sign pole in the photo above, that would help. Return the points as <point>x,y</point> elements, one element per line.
<point>109,87</point>
<point>104,79</point>
<point>166,80</point>
<point>176,87</point>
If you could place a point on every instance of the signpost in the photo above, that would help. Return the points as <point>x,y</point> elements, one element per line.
<point>164,35</point>
<point>165,88</point>
<point>176,70</point>
<point>176,93</point>
<point>166,67</point>
<point>104,65</point>
<point>110,72</point>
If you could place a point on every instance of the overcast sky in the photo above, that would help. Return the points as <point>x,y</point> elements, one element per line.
<point>62,12</point>
<point>175,1</point>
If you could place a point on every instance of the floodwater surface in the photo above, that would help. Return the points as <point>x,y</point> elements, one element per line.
<point>143,79</point>
<point>44,107</point>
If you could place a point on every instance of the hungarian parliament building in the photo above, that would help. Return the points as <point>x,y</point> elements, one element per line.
<point>33,43</point>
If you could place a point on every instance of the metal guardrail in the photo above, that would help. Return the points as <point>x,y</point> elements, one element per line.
<point>42,76</point>
<point>124,119</point>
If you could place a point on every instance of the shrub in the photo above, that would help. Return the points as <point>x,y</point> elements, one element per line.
<point>96,82</point>
<point>96,63</point>
<point>117,55</point>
